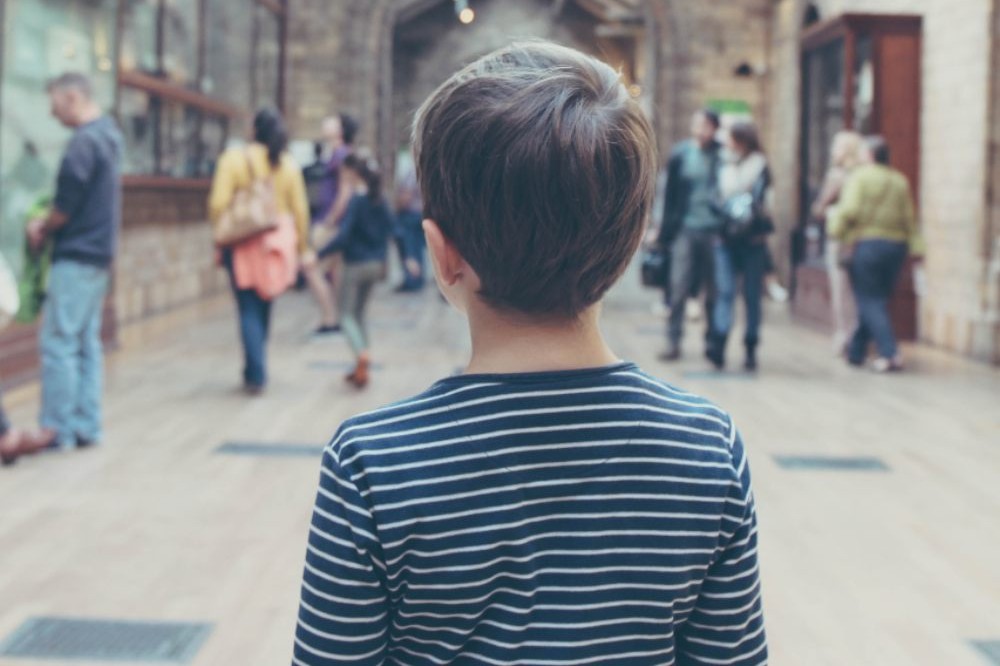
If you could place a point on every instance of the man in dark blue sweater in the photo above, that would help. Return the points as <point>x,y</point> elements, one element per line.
<point>83,228</point>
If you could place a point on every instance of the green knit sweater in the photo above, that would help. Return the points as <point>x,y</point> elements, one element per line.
<point>876,204</point>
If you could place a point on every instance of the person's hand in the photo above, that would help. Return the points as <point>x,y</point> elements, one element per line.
<point>413,267</point>
<point>308,259</point>
<point>652,238</point>
<point>36,234</point>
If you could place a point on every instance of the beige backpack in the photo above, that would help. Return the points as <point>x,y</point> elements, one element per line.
<point>252,211</point>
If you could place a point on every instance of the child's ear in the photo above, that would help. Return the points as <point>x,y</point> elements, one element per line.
<point>448,263</point>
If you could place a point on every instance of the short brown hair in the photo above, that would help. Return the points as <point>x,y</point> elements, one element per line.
<point>539,166</point>
<point>879,149</point>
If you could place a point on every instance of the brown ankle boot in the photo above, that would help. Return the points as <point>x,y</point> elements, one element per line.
<point>360,375</point>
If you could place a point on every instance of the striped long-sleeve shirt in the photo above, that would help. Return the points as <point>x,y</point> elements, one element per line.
<point>583,517</point>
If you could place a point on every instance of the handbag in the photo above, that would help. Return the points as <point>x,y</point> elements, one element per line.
<point>252,211</point>
<point>745,214</point>
<point>654,268</point>
<point>739,214</point>
<point>845,254</point>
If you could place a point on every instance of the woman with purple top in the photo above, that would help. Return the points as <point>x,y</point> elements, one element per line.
<point>329,197</point>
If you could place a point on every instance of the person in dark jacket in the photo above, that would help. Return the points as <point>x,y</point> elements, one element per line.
<point>363,239</point>
<point>82,226</point>
<point>690,222</point>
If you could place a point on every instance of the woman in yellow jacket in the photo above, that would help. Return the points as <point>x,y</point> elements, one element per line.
<point>265,155</point>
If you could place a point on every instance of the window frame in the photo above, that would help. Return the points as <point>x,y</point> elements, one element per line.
<point>162,91</point>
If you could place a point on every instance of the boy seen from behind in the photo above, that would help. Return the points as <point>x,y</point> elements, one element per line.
<point>554,504</point>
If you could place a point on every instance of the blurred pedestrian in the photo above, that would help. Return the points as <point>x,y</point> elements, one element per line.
<point>332,198</point>
<point>10,303</point>
<point>318,177</point>
<point>10,439</point>
<point>238,170</point>
<point>82,226</point>
<point>362,239</point>
<point>741,252</point>
<point>875,217</point>
<point>409,229</point>
<point>847,152</point>
<point>690,222</point>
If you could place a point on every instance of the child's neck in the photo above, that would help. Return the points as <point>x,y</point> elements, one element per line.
<point>509,344</point>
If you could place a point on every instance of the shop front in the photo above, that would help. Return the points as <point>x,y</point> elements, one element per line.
<point>182,77</point>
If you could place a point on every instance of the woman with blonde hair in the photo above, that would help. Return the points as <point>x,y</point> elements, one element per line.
<point>848,152</point>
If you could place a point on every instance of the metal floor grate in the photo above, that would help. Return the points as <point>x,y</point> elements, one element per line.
<point>106,640</point>
<point>271,449</point>
<point>832,463</point>
<point>990,650</point>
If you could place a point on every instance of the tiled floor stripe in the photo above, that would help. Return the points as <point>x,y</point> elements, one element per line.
<point>831,463</point>
<point>106,640</point>
<point>271,449</point>
<point>990,650</point>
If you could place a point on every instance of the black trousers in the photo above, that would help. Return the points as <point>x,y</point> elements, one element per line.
<point>691,263</point>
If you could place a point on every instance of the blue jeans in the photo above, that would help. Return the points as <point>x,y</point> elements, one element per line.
<point>875,268</point>
<point>691,260</point>
<point>411,235</point>
<point>733,260</point>
<point>255,324</point>
<point>72,357</point>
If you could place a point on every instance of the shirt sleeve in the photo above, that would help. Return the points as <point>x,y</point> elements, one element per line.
<point>298,204</point>
<point>727,623</point>
<point>74,175</point>
<point>344,610</point>
<point>344,231</point>
<point>223,186</point>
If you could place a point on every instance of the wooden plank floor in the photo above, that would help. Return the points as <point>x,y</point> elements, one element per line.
<point>884,568</point>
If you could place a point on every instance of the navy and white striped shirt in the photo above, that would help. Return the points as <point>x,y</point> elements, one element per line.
<point>563,518</point>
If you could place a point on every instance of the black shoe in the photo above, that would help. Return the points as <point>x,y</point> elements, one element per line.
<point>84,443</point>
<point>716,351</point>
<point>750,364</point>
<point>326,329</point>
<point>716,356</point>
<point>253,390</point>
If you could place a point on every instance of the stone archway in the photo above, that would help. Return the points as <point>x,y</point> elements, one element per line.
<point>666,85</point>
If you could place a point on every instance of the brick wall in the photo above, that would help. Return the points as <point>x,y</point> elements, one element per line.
<point>166,255</point>
<point>340,50</point>
<point>432,47</point>
<point>986,334</point>
<point>956,56</point>
<point>331,64</point>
